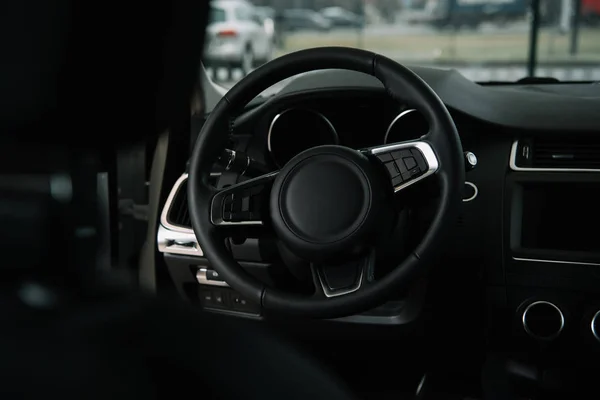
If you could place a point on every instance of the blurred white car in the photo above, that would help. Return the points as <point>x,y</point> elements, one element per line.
<point>236,37</point>
<point>268,16</point>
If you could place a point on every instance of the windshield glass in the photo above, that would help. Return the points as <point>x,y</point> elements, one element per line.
<point>216,15</point>
<point>484,40</point>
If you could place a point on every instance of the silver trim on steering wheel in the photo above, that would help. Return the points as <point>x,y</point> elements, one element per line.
<point>425,148</point>
<point>334,293</point>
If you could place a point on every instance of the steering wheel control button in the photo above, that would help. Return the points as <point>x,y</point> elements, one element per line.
<point>228,208</point>
<point>420,159</point>
<point>543,320</point>
<point>228,203</point>
<point>242,205</point>
<point>401,166</point>
<point>392,169</point>
<point>400,154</point>
<point>409,162</point>
<point>386,157</point>
<point>246,203</point>
<point>411,174</point>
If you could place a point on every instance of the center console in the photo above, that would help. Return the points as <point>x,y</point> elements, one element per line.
<point>547,314</point>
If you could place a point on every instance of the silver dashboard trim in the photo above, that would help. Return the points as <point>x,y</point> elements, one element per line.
<point>424,147</point>
<point>593,328</point>
<point>391,125</point>
<point>272,124</point>
<point>164,221</point>
<point>514,167</point>
<point>174,242</point>
<point>540,302</point>
<point>175,239</point>
<point>555,261</point>
<point>203,280</point>
<point>475,192</point>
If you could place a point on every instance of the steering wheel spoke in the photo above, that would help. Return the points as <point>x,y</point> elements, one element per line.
<point>243,204</point>
<point>406,162</point>
<point>333,280</point>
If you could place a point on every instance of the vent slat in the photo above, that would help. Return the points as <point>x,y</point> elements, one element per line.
<point>179,214</point>
<point>562,153</point>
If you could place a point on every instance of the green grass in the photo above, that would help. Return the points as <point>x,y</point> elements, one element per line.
<point>462,46</point>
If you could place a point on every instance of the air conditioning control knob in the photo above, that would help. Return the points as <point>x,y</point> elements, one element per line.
<point>543,320</point>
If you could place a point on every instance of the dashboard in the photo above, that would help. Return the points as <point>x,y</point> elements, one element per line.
<point>527,233</point>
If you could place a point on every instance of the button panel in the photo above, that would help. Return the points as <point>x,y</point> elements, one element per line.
<point>226,300</point>
<point>243,206</point>
<point>404,165</point>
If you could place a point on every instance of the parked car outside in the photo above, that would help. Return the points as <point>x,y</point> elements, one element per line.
<point>268,17</point>
<point>301,19</point>
<point>236,37</point>
<point>342,18</point>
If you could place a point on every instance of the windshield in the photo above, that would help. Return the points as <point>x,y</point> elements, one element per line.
<point>484,40</point>
<point>216,15</point>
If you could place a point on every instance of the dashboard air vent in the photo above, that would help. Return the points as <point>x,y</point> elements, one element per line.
<point>557,154</point>
<point>178,213</point>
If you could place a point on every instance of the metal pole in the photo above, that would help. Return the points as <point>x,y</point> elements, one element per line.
<point>533,37</point>
<point>361,28</point>
<point>575,29</point>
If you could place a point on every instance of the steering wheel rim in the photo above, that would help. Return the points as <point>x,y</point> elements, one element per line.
<point>402,85</point>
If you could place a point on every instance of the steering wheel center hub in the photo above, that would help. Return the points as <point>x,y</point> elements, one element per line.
<point>323,201</point>
<point>325,198</point>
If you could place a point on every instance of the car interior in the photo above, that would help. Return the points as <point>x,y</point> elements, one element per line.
<point>371,230</point>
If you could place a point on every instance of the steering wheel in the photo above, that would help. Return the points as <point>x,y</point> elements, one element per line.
<point>329,205</point>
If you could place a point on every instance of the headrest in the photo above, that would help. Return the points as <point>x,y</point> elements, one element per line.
<point>87,73</point>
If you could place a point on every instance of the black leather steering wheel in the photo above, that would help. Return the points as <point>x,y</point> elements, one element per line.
<point>329,205</point>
